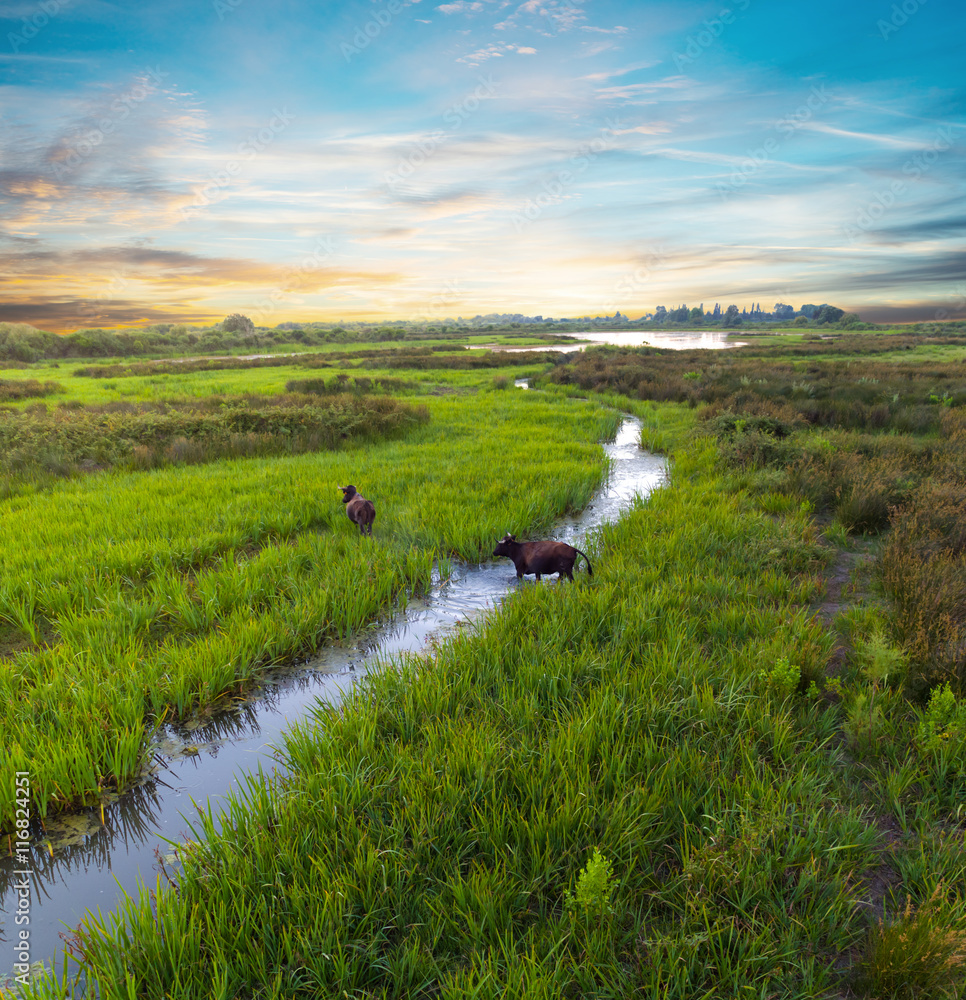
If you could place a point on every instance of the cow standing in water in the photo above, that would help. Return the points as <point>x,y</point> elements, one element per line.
<point>541,557</point>
<point>360,510</point>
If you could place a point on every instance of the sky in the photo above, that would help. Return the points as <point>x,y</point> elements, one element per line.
<point>180,160</point>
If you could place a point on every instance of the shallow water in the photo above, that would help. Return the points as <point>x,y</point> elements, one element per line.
<point>682,340</point>
<point>90,862</point>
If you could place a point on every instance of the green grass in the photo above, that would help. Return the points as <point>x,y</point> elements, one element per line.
<point>645,784</point>
<point>126,595</point>
<point>429,832</point>
<point>248,381</point>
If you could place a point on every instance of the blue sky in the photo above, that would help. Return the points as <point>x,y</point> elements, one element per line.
<point>179,161</point>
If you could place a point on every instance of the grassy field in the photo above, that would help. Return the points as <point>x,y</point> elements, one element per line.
<point>125,595</point>
<point>732,764</point>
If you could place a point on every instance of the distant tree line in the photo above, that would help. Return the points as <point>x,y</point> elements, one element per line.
<point>21,343</point>
<point>731,316</point>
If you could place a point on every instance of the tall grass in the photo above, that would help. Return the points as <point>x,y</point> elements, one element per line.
<point>428,834</point>
<point>128,594</point>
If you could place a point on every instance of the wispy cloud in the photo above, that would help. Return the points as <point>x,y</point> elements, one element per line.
<point>135,188</point>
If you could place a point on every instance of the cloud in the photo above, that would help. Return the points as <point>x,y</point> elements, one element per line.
<point>98,154</point>
<point>461,7</point>
<point>880,139</point>
<point>120,285</point>
<point>60,315</point>
<point>921,229</point>
<point>609,74</point>
<point>924,311</point>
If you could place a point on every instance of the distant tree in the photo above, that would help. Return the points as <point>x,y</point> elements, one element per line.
<point>660,314</point>
<point>236,323</point>
<point>784,312</point>
<point>801,321</point>
<point>829,314</point>
<point>732,317</point>
<point>809,311</point>
<point>679,315</point>
<point>850,321</point>
<point>697,314</point>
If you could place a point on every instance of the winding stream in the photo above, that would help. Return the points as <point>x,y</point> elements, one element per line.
<point>91,862</point>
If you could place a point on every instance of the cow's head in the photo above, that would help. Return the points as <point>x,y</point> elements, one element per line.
<point>503,545</point>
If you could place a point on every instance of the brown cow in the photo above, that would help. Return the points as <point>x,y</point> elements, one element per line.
<point>541,557</point>
<point>360,510</point>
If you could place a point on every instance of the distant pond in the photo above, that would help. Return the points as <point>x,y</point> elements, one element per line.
<point>683,340</point>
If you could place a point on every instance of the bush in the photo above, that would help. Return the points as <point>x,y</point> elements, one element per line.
<point>916,955</point>
<point>72,437</point>
<point>236,323</point>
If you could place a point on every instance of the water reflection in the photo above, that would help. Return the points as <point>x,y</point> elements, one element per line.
<point>683,340</point>
<point>90,858</point>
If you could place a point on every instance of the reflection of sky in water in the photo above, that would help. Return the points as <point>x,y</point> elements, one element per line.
<point>681,341</point>
<point>204,762</point>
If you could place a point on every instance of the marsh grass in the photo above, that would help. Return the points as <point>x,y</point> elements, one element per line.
<point>39,443</point>
<point>126,595</point>
<point>918,953</point>
<point>17,389</point>
<point>424,834</point>
<point>424,837</point>
<point>878,446</point>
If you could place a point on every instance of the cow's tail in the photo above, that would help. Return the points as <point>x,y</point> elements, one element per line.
<point>590,569</point>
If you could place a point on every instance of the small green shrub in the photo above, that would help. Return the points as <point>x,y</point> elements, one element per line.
<point>782,678</point>
<point>595,884</point>
<point>881,662</point>
<point>865,722</point>
<point>943,724</point>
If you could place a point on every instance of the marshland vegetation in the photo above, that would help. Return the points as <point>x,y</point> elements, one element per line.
<point>129,594</point>
<point>701,773</point>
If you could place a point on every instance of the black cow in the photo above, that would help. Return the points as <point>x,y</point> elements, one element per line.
<point>541,557</point>
<point>360,510</point>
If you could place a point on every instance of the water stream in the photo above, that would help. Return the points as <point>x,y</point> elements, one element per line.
<point>92,861</point>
